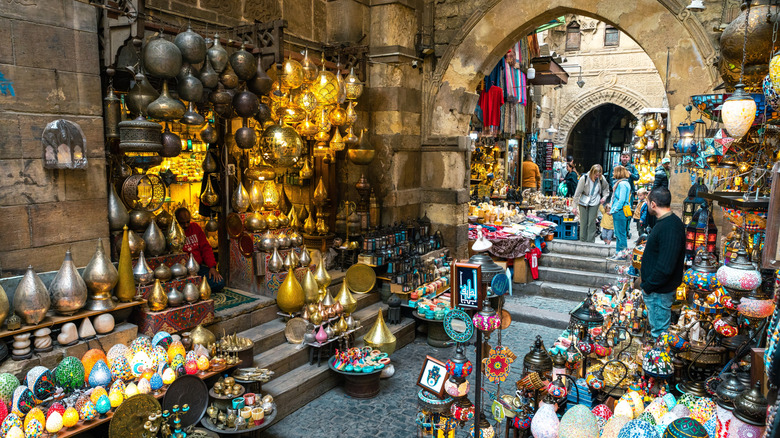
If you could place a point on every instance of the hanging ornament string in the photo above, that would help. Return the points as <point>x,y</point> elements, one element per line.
<point>744,43</point>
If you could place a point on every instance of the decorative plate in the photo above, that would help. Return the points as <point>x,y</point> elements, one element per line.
<point>497,363</point>
<point>189,390</point>
<point>294,330</point>
<point>458,325</point>
<point>360,278</point>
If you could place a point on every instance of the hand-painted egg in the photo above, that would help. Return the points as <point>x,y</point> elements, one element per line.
<point>168,376</point>
<point>603,414</point>
<point>11,420</point>
<point>96,393</point>
<point>578,422</point>
<point>613,426</point>
<point>685,428</point>
<point>120,369</point>
<point>141,362</point>
<point>191,367</point>
<point>162,339</point>
<point>41,382</point>
<point>666,420</point>
<point>69,374</point>
<point>141,343</point>
<point>3,412</point>
<point>687,400</point>
<point>178,364</point>
<point>100,374</point>
<point>55,407</point>
<point>670,400</point>
<point>638,429</point>
<point>22,400</point>
<point>131,390</point>
<point>70,418</point>
<point>657,408</point>
<point>190,356</point>
<point>81,401</point>
<point>156,382</point>
<point>176,348</point>
<point>8,383</point>
<point>103,404</point>
<point>648,417</point>
<point>115,398</point>
<point>703,409</point>
<point>456,390</point>
<point>545,422</point>
<point>711,426</point>
<point>160,357</point>
<point>88,411</point>
<point>35,414</point>
<point>54,423</point>
<point>630,405</point>
<point>14,432</point>
<point>34,429</point>
<point>117,351</point>
<point>203,363</point>
<point>144,387</point>
<point>681,410</point>
<point>118,385</point>
<point>91,357</point>
<point>148,373</point>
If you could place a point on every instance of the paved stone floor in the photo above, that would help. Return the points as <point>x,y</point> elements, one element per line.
<point>392,413</point>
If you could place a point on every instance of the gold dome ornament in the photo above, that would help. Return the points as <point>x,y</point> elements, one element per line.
<point>202,336</point>
<point>306,171</point>
<point>337,116</point>
<point>337,142</point>
<point>292,113</point>
<point>306,128</point>
<point>204,289</point>
<point>125,287</point>
<point>270,195</point>
<point>175,237</point>
<point>307,101</point>
<point>310,288</point>
<point>291,75</point>
<point>158,299</point>
<point>364,152</point>
<point>342,88</point>
<point>325,86</point>
<point>209,197</point>
<point>256,195</point>
<point>346,299</point>
<point>281,146</point>
<point>323,119</point>
<point>309,225</point>
<point>290,298</point>
<point>651,124</point>
<point>352,85</point>
<point>640,130</point>
<point>380,337</point>
<point>309,68</point>
<point>351,139</point>
<point>351,113</point>
<point>321,274</point>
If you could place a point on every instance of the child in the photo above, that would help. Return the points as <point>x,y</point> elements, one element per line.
<point>607,226</point>
<point>640,213</point>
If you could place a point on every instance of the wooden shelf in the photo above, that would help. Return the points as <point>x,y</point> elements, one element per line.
<point>53,319</point>
<point>81,426</point>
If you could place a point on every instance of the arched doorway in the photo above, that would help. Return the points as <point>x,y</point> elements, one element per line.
<point>600,136</point>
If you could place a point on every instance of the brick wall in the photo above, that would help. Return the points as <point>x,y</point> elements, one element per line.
<point>49,52</point>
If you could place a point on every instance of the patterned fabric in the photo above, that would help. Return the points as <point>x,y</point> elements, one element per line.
<point>174,320</point>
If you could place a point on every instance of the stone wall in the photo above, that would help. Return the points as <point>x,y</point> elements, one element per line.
<point>49,53</point>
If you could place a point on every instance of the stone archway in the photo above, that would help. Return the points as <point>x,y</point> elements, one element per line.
<point>578,108</point>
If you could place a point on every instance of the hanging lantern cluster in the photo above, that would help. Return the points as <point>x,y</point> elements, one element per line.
<point>649,133</point>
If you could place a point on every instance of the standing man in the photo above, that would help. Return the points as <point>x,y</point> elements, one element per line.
<point>633,175</point>
<point>195,243</point>
<point>663,261</point>
<point>532,178</point>
<point>662,174</point>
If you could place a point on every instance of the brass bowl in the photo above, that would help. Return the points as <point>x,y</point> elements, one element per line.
<point>361,156</point>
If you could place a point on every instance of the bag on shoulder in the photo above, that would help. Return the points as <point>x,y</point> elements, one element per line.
<point>563,189</point>
<point>627,211</point>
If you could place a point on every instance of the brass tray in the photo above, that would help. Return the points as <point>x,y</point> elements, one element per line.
<point>360,278</point>
<point>190,390</point>
<point>245,244</point>
<point>130,417</point>
<point>235,226</point>
<point>294,330</point>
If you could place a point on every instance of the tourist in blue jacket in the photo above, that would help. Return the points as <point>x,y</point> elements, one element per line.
<point>621,198</point>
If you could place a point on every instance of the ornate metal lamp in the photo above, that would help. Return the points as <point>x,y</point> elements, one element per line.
<point>585,317</point>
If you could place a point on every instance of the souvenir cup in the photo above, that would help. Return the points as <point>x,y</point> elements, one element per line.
<point>249,399</point>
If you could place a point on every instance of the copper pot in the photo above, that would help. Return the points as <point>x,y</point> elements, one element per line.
<point>244,64</point>
<point>162,58</point>
<point>166,107</point>
<point>191,45</point>
<point>171,143</point>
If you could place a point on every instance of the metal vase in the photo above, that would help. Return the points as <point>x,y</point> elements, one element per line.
<point>137,244</point>
<point>125,287</point>
<point>217,55</point>
<point>305,257</point>
<point>67,291</point>
<point>163,272</point>
<point>240,201</point>
<point>204,289</point>
<point>31,299</point>
<point>289,297</point>
<point>275,264</point>
<point>192,266</point>
<point>142,273</point>
<point>158,300</point>
<point>191,292</point>
<point>166,107</point>
<point>310,288</point>
<point>101,276</point>
<point>118,216</point>
<point>178,270</point>
<point>175,298</point>
<point>175,237</point>
<point>155,240</point>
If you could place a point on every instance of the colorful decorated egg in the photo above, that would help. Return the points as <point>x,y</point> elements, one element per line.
<point>190,356</point>
<point>35,414</point>
<point>88,411</point>
<point>41,382</point>
<point>8,383</point>
<point>115,398</point>
<point>160,357</point>
<point>96,393</point>
<point>81,401</point>
<point>638,429</point>
<point>22,401</point>
<point>103,404</point>
<point>711,426</point>
<point>70,417</point>
<point>191,367</point>
<point>603,414</point>
<point>120,369</point>
<point>681,411</point>
<point>545,422</point>
<point>3,412</point>
<point>15,432</point>
<point>456,390</point>
<point>176,348</point>
<point>118,385</point>
<point>69,374</point>
<point>162,339</point>
<point>685,428</point>
<point>131,390</point>
<point>100,374</point>
<point>33,429</point>
<point>11,420</point>
<point>613,426</point>
<point>578,422</point>
<point>156,382</point>
<point>666,420</point>
<point>178,364</point>
<point>118,350</point>
<point>687,400</point>
<point>670,400</point>
<point>657,408</point>
<point>630,405</point>
<point>203,363</point>
<point>54,423</point>
<point>144,387</point>
<point>648,417</point>
<point>91,357</point>
<point>141,362</point>
<point>55,407</point>
<point>141,343</point>
<point>168,376</point>
<point>703,409</point>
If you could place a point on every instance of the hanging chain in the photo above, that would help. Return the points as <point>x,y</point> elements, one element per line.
<point>744,43</point>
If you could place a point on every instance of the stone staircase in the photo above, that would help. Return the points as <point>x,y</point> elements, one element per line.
<point>295,382</point>
<point>566,273</point>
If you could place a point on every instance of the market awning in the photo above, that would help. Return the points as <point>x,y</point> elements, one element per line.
<point>548,72</point>
<point>552,23</point>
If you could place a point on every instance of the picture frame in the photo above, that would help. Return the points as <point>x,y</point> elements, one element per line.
<point>466,290</point>
<point>432,376</point>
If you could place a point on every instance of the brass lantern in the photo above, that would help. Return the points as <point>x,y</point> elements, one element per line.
<point>538,360</point>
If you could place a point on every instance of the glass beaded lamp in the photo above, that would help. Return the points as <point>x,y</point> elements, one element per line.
<point>739,112</point>
<point>487,319</point>
<point>353,85</point>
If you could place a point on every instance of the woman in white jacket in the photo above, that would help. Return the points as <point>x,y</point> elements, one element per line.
<point>592,190</point>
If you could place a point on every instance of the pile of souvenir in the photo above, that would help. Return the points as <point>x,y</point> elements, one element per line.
<point>360,360</point>
<point>433,308</point>
<point>241,410</point>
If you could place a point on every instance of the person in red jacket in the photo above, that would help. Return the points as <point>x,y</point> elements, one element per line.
<point>195,243</point>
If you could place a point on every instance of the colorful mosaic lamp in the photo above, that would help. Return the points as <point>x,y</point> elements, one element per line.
<point>702,277</point>
<point>739,112</point>
<point>739,277</point>
<point>700,232</point>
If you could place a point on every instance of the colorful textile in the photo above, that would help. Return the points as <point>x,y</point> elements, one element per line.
<point>491,101</point>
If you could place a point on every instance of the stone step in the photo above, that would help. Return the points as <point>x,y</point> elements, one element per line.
<point>305,383</point>
<point>285,357</point>
<point>575,247</point>
<point>539,310</point>
<point>578,278</point>
<point>548,289</point>
<point>579,262</point>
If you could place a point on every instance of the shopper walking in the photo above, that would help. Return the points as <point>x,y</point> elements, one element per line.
<point>532,178</point>
<point>633,175</point>
<point>620,208</point>
<point>592,190</point>
<point>663,261</point>
<point>570,180</point>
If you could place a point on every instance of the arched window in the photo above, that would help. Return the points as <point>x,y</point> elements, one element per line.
<point>573,36</point>
<point>611,37</point>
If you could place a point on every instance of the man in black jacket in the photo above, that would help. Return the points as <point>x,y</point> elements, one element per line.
<point>663,261</point>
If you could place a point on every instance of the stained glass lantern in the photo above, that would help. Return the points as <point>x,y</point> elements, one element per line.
<point>585,318</point>
<point>739,277</point>
<point>537,360</point>
<point>459,366</point>
<point>487,319</point>
<point>701,278</point>
<point>700,232</point>
<point>739,112</point>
